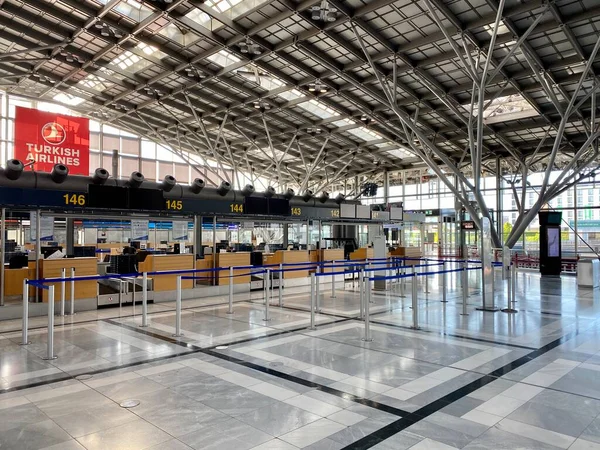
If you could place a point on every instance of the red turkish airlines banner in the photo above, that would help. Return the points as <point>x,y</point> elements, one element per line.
<point>50,138</point>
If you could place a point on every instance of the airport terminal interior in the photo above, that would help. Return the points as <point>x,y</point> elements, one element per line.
<point>299,224</point>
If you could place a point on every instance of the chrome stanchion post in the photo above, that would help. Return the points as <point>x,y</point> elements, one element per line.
<point>465,289</point>
<point>230,310</point>
<point>178,309</point>
<point>144,299</point>
<point>317,290</point>
<point>50,351</point>
<point>514,283</point>
<point>510,291</point>
<point>280,285</point>
<point>73,291</point>
<point>25,330</point>
<point>267,318</point>
<point>63,275</point>
<point>415,301</point>
<point>444,293</point>
<point>361,276</point>
<point>133,297</point>
<point>333,280</point>
<point>312,301</point>
<point>367,337</point>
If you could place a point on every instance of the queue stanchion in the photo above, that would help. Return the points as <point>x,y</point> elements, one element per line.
<point>178,332</point>
<point>144,299</point>
<point>312,300</point>
<point>230,310</point>
<point>415,301</point>
<point>25,326</point>
<point>133,297</point>
<point>280,285</point>
<point>361,276</point>
<point>514,283</point>
<point>317,288</point>
<point>267,318</point>
<point>367,337</point>
<point>63,275</point>
<point>368,298</point>
<point>333,280</point>
<point>510,304</point>
<point>73,291</point>
<point>465,289</point>
<point>444,293</point>
<point>50,350</point>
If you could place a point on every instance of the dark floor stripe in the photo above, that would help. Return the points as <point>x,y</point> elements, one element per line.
<point>402,424</point>
<point>285,376</point>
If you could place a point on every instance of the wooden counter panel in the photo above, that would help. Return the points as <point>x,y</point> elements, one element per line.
<point>161,263</point>
<point>294,256</point>
<point>51,268</point>
<point>233,260</point>
<point>13,281</point>
<point>332,255</point>
<point>362,253</point>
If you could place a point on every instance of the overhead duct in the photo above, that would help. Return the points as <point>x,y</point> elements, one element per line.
<point>270,192</point>
<point>100,176</point>
<point>248,190</point>
<point>197,185</point>
<point>324,197</point>
<point>289,194</point>
<point>308,194</point>
<point>136,179</point>
<point>168,183</point>
<point>340,198</point>
<point>59,173</point>
<point>14,169</point>
<point>224,188</point>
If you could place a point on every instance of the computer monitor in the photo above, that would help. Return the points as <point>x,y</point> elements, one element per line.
<point>18,261</point>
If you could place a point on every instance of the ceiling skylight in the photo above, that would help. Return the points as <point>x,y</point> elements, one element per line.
<point>365,134</point>
<point>318,109</point>
<point>133,62</point>
<point>95,82</point>
<point>224,58</point>
<point>131,8</point>
<point>179,35</point>
<point>510,107</point>
<point>68,99</point>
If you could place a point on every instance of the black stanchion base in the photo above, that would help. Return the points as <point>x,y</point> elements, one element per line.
<point>367,340</point>
<point>510,310</point>
<point>488,309</point>
<point>415,328</point>
<point>50,359</point>
<point>465,314</point>
<point>443,301</point>
<point>266,320</point>
<point>25,343</point>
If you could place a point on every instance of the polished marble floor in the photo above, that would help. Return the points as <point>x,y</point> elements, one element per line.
<point>486,380</point>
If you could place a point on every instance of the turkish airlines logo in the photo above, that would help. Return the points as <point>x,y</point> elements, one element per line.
<point>54,133</point>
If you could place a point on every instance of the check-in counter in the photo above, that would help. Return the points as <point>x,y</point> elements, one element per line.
<point>408,252</point>
<point>289,257</point>
<point>332,254</point>
<point>362,253</point>
<point>161,263</point>
<point>235,259</point>
<point>13,281</point>
<point>52,268</point>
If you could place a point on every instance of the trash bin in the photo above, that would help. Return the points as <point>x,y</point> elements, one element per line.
<point>588,273</point>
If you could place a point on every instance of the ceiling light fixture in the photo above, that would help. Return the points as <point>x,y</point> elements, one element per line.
<point>317,87</point>
<point>250,48</point>
<point>313,131</point>
<point>324,12</point>
<point>108,31</point>
<point>262,106</point>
